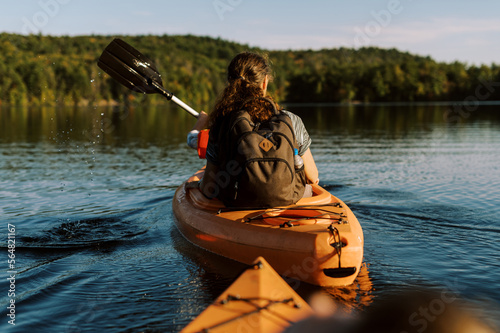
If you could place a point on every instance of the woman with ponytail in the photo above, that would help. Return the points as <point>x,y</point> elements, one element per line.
<point>248,77</point>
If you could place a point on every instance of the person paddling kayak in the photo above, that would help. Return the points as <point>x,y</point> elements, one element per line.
<point>257,154</point>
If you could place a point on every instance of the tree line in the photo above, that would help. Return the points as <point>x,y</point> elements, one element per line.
<point>48,70</point>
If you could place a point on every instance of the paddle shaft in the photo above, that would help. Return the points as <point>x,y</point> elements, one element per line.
<point>186,107</point>
<point>168,95</point>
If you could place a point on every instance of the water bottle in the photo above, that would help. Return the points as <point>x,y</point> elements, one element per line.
<point>299,163</point>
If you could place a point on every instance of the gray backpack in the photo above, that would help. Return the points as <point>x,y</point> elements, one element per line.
<point>262,157</point>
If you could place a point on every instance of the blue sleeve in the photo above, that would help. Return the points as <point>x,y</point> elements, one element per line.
<point>192,139</point>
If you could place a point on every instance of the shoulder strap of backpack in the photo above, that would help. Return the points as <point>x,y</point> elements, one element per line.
<point>237,117</point>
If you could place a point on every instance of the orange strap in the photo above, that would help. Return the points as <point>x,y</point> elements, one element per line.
<point>203,143</point>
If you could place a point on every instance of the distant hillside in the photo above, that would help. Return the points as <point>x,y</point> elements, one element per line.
<point>46,70</point>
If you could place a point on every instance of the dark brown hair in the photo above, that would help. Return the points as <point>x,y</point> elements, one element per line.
<point>245,76</point>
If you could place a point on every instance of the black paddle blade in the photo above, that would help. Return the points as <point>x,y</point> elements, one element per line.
<point>131,68</point>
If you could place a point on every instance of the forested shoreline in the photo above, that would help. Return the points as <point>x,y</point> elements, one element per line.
<point>47,70</point>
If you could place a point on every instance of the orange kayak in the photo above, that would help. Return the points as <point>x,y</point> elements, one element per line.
<point>259,300</point>
<point>318,240</point>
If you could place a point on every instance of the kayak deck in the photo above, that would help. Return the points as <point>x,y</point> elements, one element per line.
<point>259,300</point>
<point>318,240</point>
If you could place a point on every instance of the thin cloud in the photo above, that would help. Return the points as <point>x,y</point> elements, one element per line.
<point>423,31</point>
<point>396,34</point>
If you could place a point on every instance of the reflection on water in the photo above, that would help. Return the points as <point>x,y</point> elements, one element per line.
<point>90,192</point>
<point>109,125</point>
<point>356,296</point>
<point>104,126</point>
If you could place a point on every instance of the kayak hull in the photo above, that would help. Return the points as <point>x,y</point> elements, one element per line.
<point>318,240</point>
<point>257,301</point>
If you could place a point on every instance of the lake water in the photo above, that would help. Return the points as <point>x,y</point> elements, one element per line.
<point>89,194</point>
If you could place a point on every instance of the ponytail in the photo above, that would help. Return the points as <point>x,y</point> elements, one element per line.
<point>246,74</point>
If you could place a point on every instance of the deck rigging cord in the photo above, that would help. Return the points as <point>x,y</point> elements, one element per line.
<point>253,302</point>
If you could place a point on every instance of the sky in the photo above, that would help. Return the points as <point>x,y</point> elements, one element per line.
<point>446,30</point>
